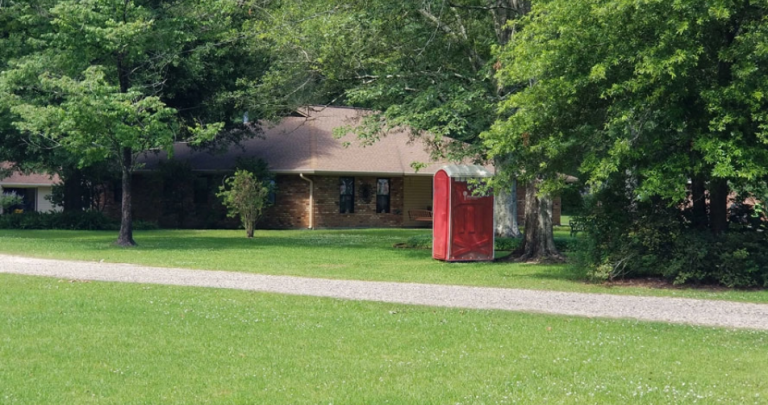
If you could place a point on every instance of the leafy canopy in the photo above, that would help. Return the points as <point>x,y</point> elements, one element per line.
<point>666,90</point>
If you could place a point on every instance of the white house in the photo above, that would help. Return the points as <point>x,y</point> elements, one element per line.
<point>34,188</point>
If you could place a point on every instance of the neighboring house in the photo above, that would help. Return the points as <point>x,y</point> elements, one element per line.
<point>34,188</point>
<point>321,181</point>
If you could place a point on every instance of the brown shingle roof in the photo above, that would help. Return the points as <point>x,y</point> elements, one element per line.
<point>32,179</point>
<point>307,145</point>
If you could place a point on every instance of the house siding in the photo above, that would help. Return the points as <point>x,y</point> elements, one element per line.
<point>43,203</point>
<point>418,196</point>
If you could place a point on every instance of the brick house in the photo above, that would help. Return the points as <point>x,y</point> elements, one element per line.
<point>320,181</point>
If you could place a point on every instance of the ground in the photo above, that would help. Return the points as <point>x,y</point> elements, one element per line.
<point>66,341</point>
<point>112,343</point>
<point>340,254</point>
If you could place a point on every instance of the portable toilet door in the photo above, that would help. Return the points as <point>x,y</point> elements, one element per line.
<point>463,228</point>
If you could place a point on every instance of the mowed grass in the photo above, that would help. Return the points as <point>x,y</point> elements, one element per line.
<point>65,342</point>
<point>340,254</point>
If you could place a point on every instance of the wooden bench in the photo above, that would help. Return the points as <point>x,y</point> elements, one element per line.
<point>420,215</point>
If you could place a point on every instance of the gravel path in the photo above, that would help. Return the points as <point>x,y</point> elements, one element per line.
<point>675,310</point>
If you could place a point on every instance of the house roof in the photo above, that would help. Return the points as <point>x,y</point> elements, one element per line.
<point>305,144</point>
<point>32,179</point>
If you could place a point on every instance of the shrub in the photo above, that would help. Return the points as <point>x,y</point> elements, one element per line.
<point>8,200</point>
<point>245,196</point>
<point>625,238</point>
<point>81,221</point>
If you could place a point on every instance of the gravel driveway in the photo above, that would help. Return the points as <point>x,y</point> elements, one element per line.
<point>675,310</point>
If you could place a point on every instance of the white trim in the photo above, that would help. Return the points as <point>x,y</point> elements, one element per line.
<point>27,185</point>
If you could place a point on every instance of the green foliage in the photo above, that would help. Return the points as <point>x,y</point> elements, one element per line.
<point>571,199</point>
<point>8,200</point>
<point>629,238</point>
<point>666,89</point>
<point>430,66</point>
<point>255,166</point>
<point>112,79</point>
<point>82,221</point>
<point>245,196</point>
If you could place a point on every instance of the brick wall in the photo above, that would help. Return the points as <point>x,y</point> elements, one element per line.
<point>175,207</point>
<point>290,210</point>
<point>327,200</point>
<point>183,209</point>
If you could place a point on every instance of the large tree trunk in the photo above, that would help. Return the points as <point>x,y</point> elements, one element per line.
<point>73,191</point>
<point>699,200</point>
<point>539,241</point>
<point>505,205</point>
<point>718,205</point>
<point>505,212</point>
<point>126,219</point>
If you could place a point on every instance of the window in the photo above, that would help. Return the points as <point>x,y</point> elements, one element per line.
<point>272,195</point>
<point>382,196</point>
<point>346,195</point>
<point>28,195</point>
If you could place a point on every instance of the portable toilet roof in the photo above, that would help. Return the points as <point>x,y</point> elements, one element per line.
<point>466,171</point>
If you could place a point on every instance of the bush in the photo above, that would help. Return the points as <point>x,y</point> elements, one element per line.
<point>625,238</point>
<point>81,221</point>
<point>245,196</point>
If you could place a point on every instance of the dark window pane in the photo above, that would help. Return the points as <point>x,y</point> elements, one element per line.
<point>272,196</point>
<point>346,195</point>
<point>382,196</point>
<point>382,204</point>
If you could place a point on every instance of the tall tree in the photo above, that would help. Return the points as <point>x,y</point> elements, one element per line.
<point>427,65</point>
<point>660,93</point>
<point>112,79</point>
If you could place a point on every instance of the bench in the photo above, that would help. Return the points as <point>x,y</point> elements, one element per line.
<point>420,215</point>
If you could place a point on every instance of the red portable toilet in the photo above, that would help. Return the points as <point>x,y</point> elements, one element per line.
<point>463,223</point>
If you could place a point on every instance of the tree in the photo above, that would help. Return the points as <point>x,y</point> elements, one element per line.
<point>245,196</point>
<point>427,65</point>
<point>652,94</point>
<point>111,79</point>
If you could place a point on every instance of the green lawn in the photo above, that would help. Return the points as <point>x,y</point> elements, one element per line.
<point>342,254</point>
<point>112,343</point>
